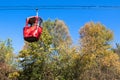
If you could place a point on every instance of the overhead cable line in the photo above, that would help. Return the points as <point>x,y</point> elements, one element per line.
<point>56,7</point>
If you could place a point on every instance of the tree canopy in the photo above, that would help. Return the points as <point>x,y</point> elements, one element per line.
<point>55,57</point>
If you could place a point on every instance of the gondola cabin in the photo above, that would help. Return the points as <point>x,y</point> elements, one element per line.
<point>32,30</point>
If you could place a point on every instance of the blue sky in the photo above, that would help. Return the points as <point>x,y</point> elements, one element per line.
<point>13,21</point>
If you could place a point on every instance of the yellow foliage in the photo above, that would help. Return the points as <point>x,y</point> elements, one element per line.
<point>14,75</point>
<point>96,51</point>
<point>111,59</point>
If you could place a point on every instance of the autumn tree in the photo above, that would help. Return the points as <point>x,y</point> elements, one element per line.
<point>6,59</point>
<point>98,61</point>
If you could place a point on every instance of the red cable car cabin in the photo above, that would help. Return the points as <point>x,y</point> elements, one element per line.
<point>32,30</point>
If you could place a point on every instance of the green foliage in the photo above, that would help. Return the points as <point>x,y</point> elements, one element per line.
<point>54,57</point>
<point>34,58</point>
<point>48,58</point>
